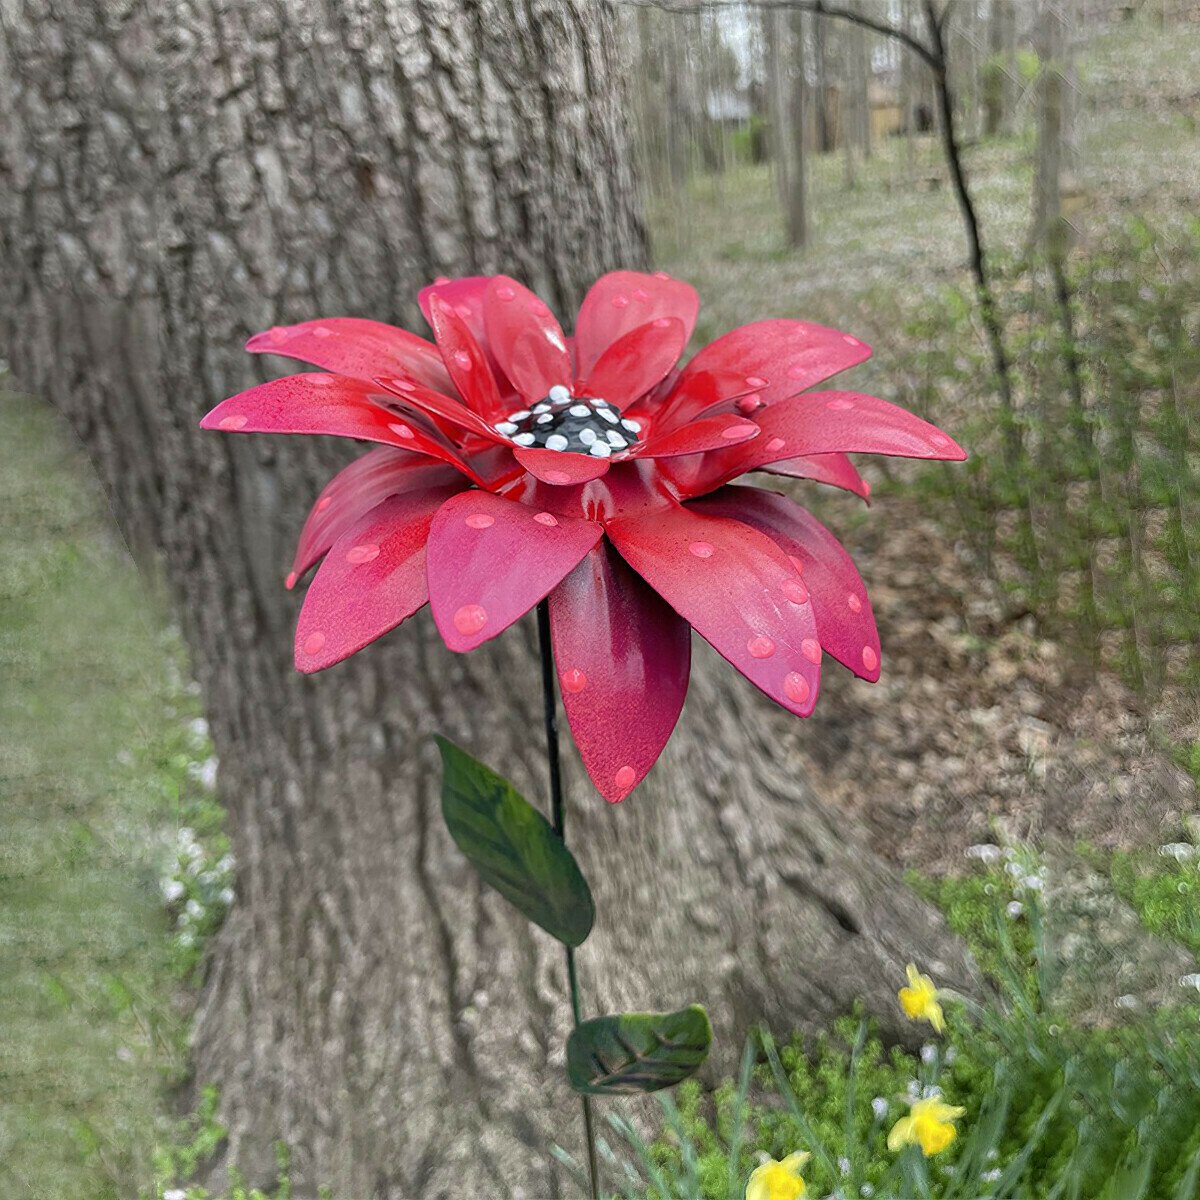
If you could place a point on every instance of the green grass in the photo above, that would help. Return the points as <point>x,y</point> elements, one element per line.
<point>1051,1110</point>
<point>91,765</point>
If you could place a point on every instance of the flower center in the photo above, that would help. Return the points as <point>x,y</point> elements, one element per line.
<point>577,424</point>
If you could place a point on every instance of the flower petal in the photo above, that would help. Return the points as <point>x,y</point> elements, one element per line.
<point>526,339</point>
<point>901,1134</point>
<point>623,658</point>
<point>737,589</point>
<point>372,579</point>
<point>817,423</point>
<point>465,361</point>
<point>845,623</point>
<point>708,433</point>
<point>564,470</point>
<point>758,1186</point>
<point>357,489</point>
<point>623,300</point>
<point>834,469</point>
<point>435,404</point>
<point>636,362</point>
<point>465,296</point>
<point>357,347</point>
<point>770,359</point>
<point>491,560</point>
<point>850,422</point>
<point>328,404</point>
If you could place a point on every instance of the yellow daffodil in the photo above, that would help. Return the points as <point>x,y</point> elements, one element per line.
<point>920,999</point>
<point>928,1125</point>
<point>778,1180</point>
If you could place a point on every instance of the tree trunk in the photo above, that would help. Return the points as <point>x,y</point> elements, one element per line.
<point>783,41</point>
<point>998,68</point>
<point>174,176</point>
<point>821,114</point>
<point>797,200</point>
<point>1047,231</point>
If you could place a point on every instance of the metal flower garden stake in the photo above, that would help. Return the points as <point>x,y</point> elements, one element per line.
<point>591,478</point>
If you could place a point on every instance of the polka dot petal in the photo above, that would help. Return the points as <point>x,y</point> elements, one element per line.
<point>733,600</point>
<point>372,579</point>
<point>623,691</point>
<point>845,630</point>
<point>504,569</point>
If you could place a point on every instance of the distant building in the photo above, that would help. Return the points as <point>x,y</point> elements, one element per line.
<point>728,107</point>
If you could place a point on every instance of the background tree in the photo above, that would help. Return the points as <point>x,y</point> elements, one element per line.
<point>174,176</point>
<point>783,42</point>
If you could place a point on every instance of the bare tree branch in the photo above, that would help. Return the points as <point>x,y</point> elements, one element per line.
<point>933,54</point>
<point>819,7</point>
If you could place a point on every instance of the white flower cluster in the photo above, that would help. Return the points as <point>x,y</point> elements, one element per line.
<point>1022,868</point>
<point>196,890</point>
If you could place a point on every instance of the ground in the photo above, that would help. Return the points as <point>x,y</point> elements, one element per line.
<point>982,728</point>
<point>981,725</point>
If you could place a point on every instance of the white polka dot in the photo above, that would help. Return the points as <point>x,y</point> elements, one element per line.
<point>608,415</point>
<point>556,441</point>
<point>524,439</point>
<point>558,393</point>
<point>601,449</point>
<point>579,410</point>
<point>506,428</point>
<point>587,436</point>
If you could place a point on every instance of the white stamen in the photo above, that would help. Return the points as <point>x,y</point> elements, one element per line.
<point>556,441</point>
<point>524,439</point>
<point>519,416</point>
<point>506,428</point>
<point>545,418</point>
<point>608,414</point>
<point>632,426</point>
<point>601,449</point>
<point>617,441</point>
<point>558,393</point>
<point>579,410</point>
<point>587,436</point>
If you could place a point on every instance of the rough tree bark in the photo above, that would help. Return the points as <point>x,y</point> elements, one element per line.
<point>175,175</point>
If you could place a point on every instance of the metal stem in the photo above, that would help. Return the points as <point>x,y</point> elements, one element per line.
<point>550,703</point>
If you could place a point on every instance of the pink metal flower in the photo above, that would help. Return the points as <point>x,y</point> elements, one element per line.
<point>514,464</point>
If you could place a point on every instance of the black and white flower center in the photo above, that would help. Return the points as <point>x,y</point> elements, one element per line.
<point>576,424</point>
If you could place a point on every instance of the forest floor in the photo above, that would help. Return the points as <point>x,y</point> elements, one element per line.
<point>981,728</point>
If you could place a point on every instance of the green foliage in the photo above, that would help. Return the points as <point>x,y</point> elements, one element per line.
<point>1164,888</point>
<point>1078,499</point>
<point>102,762</point>
<point>513,847</point>
<point>196,1140</point>
<point>1052,1111</point>
<point>637,1052</point>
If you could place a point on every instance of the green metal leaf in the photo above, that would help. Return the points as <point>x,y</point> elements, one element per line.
<point>513,847</point>
<point>637,1052</point>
